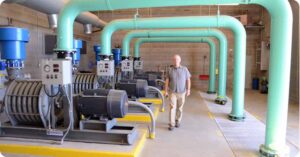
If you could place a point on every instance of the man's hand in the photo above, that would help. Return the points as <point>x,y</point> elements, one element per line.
<point>166,94</point>
<point>188,92</point>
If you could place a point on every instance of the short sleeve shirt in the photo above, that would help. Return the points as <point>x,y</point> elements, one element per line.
<point>177,79</point>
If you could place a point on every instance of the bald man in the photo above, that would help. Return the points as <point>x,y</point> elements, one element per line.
<point>178,83</point>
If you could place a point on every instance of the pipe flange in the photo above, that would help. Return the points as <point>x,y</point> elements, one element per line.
<point>136,58</point>
<point>264,151</point>
<point>221,100</point>
<point>236,118</point>
<point>65,54</point>
<point>125,57</point>
<point>211,92</point>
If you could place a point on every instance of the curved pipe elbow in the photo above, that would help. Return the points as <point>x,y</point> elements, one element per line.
<point>146,108</point>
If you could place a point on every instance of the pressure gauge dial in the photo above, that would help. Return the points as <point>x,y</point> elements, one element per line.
<point>47,68</point>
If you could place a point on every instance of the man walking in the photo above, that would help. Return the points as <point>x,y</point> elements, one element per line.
<point>178,82</point>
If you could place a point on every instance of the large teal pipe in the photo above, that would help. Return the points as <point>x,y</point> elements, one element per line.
<point>188,33</point>
<point>229,22</point>
<point>209,41</point>
<point>281,36</point>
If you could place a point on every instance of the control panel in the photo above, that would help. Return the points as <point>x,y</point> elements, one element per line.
<point>138,65</point>
<point>127,65</point>
<point>105,68</point>
<point>57,72</point>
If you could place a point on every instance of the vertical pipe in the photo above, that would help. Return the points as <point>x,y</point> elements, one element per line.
<point>279,77</point>
<point>212,68</point>
<point>219,21</point>
<point>187,33</point>
<point>210,42</point>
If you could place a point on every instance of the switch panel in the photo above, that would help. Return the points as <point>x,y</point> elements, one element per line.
<point>105,68</point>
<point>56,72</point>
<point>138,65</point>
<point>127,65</point>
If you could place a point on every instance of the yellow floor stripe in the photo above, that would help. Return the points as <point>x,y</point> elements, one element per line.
<point>144,118</point>
<point>138,149</point>
<point>219,133</point>
<point>63,152</point>
<point>257,117</point>
<point>210,115</point>
<point>155,101</point>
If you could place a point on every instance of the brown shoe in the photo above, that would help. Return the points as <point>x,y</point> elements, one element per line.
<point>171,128</point>
<point>177,125</point>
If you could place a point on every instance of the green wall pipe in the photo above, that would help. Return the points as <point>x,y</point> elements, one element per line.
<point>188,33</point>
<point>209,41</point>
<point>281,35</point>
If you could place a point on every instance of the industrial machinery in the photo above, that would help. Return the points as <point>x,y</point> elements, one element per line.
<point>97,50</point>
<point>139,89</point>
<point>13,41</point>
<point>151,77</point>
<point>127,68</point>
<point>138,64</point>
<point>134,88</point>
<point>77,44</point>
<point>84,81</point>
<point>46,108</point>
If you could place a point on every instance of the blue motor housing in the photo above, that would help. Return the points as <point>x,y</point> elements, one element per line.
<point>117,52</point>
<point>77,45</point>
<point>13,45</point>
<point>97,49</point>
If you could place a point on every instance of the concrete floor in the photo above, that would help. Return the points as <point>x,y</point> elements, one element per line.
<point>199,135</point>
<point>256,104</point>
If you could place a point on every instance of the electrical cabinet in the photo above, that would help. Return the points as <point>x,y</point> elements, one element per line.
<point>127,66</point>
<point>56,72</point>
<point>105,68</point>
<point>138,65</point>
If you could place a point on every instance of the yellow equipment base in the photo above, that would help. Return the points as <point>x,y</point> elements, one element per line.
<point>72,149</point>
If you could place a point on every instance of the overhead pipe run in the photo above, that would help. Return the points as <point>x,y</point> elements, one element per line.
<point>189,33</point>
<point>280,59</point>
<point>209,41</point>
<point>53,7</point>
<point>237,113</point>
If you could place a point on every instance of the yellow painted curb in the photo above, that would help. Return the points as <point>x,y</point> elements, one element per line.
<point>144,118</point>
<point>64,152</point>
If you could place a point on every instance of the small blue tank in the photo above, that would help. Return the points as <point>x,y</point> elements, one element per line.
<point>97,49</point>
<point>77,45</point>
<point>13,45</point>
<point>117,52</point>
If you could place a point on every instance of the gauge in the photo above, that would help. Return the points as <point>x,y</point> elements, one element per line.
<point>47,68</point>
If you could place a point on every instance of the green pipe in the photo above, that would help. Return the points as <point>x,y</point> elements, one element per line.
<point>281,35</point>
<point>209,41</point>
<point>279,75</point>
<point>229,22</point>
<point>187,33</point>
<point>74,7</point>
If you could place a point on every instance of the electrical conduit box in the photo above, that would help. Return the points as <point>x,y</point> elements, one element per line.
<point>138,65</point>
<point>127,66</point>
<point>56,72</point>
<point>105,68</point>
